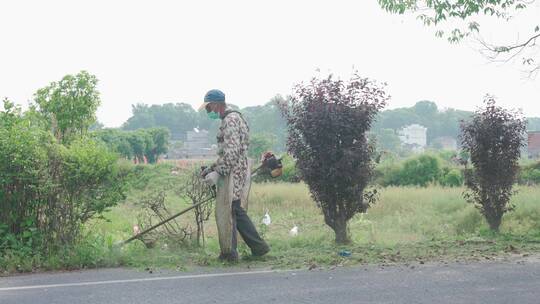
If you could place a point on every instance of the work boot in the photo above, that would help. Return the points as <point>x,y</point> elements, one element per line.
<point>229,257</point>
<point>260,251</point>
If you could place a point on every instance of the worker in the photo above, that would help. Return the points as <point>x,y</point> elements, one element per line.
<point>231,173</point>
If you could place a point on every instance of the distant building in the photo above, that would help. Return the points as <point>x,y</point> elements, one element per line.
<point>414,137</point>
<point>533,144</point>
<point>196,146</point>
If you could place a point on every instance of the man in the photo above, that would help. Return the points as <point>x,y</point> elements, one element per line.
<point>232,170</point>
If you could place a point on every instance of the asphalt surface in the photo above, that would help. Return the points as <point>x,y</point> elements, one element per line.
<point>516,281</point>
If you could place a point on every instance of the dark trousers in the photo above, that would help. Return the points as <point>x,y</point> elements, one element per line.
<point>247,230</point>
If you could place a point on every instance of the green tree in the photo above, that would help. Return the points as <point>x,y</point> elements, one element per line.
<point>387,140</point>
<point>97,126</point>
<point>160,139</point>
<point>396,119</point>
<point>178,118</point>
<point>438,123</point>
<point>258,144</point>
<point>149,143</point>
<point>138,145</point>
<point>447,123</point>
<point>69,105</point>
<point>141,118</point>
<point>425,109</point>
<point>267,119</point>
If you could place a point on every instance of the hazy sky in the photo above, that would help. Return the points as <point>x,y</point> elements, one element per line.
<point>174,51</point>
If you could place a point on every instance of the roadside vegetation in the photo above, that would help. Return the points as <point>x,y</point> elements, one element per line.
<point>70,195</point>
<point>409,224</point>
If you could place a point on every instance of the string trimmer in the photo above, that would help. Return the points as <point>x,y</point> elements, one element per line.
<point>269,161</point>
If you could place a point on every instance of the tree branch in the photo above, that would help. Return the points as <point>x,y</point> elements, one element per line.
<point>493,53</point>
<point>503,49</point>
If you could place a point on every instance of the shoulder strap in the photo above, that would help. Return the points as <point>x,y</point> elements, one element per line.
<point>227,112</point>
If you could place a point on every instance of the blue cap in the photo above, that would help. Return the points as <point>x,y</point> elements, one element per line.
<point>213,96</point>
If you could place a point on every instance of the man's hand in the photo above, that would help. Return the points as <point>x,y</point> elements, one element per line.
<point>205,170</point>
<point>211,178</point>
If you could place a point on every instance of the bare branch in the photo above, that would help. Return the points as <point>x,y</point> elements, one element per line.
<point>534,72</point>
<point>510,52</point>
<point>502,49</point>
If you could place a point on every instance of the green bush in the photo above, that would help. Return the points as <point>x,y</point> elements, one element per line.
<point>259,144</point>
<point>388,174</point>
<point>419,170</point>
<point>290,174</point>
<point>451,178</point>
<point>530,175</point>
<point>23,177</point>
<point>49,189</point>
<point>92,178</point>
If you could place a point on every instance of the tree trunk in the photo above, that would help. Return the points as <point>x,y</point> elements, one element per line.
<point>493,215</point>
<point>494,221</point>
<point>342,231</point>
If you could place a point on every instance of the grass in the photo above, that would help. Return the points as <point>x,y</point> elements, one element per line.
<point>406,225</point>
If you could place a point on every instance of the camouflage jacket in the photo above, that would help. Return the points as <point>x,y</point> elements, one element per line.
<point>233,143</point>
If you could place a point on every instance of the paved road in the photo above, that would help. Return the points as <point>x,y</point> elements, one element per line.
<point>516,281</point>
